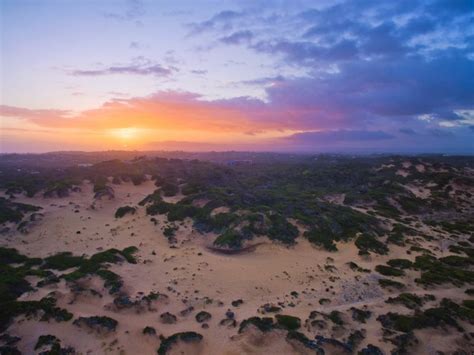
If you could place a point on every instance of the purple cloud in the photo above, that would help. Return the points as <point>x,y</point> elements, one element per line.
<point>138,67</point>
<point>238,37</point>
<point>221,20</point>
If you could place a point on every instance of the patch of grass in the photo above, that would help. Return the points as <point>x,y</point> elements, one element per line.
<point>457,261</point>
<point>400,263</point>
<point>356,267</point>
<point>264,324</point>
<point>360,315</point>
<point>11,256</point>
<point>389,271</point>
<point>95,266</point>
<point>122,211</point>
<point>112,281</point>
<point>335,317</point>
<point>469,291</point>
<point>387,283</point>
<point>434,271</point>
<point>167,343</point>
<point>229,239</point>
<point>170,231</point>
<point>14,211</point>
<point>47,305</point>
<point>62,261</point>
<point>468,304</point>
<point>97,322</point>
<point>45,340</point>
<point>169,189</point>
<point>13,283</point>
<point>410,300</point>
<point>320,238</point>
<point>398,234</point>
<point>281,230</point>
<point>367,242</point>
<point>447,313</point>
<point>288,322</point>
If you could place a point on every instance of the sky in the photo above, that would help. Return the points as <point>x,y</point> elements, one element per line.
<point>358,76</point>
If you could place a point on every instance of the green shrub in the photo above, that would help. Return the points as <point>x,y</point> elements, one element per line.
<point>46,305</point>
<point>410,300</point>
<point>62,261</point>
<point>335,317</point>
<point>122,211</point>
<point>387,283</point>
<point>263,324</point>
<point>170,231</point>
<point>288,322</point>
<point>169,189</point>
<point>167,343</point>
<point>229,239</point>
<point>400,263</point>
<point>389,271</point>
<point>367,242</point>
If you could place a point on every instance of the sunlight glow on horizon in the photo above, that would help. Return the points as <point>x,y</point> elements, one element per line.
<point>129,133</point>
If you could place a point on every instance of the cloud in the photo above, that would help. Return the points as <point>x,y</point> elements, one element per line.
<point>359,30</point>
<point>408,131</point>
<point>135,45</point>
<point>29,114</point>
<point>133,11</point>
<point>162,110</point>
<point>199,71</point>
<point>265,81</point>
<point>336,136</point>
<point>139,66</point>
<point>367,92</point>
<point>238,37</point>
<point>221,20</point>
<point>156,69</point>
<point>309,53</point>
<point>358,72</point>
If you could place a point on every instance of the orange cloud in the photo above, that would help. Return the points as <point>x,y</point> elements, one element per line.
<point>163,116</point>
<point>166,111</point>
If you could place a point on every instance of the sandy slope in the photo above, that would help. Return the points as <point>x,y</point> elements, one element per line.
<point>191,275</point>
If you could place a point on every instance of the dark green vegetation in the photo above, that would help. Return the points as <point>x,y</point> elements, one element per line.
<point>203,316</point>
<point>399,233</point>
<point>122,211</point>
<point>98,323</point>
<point>387,283</point>
<point>411,300</point>
<point>400,263</point>
<point>13,211</point>
<point>267,324</point>
<point>14,267</point>
<point>288,322</point>
<point>446,314</point>
<point>356,267</point>
<point>360,315</point>
<point>444,270</point>
<point>44,340</point>
<point>335,317</point>
<point>366,243</point>
<point>264,324</point>
<point>95,265</point>
<point>265,197</point>
<point>46,306</point>
<point>186,337</point>
<point>389,271</point>
<point>51,345</point>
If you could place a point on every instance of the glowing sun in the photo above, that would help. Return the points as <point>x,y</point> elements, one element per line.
<point>125,133</point>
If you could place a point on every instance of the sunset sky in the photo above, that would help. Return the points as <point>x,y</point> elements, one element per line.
<point>344,76</point>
